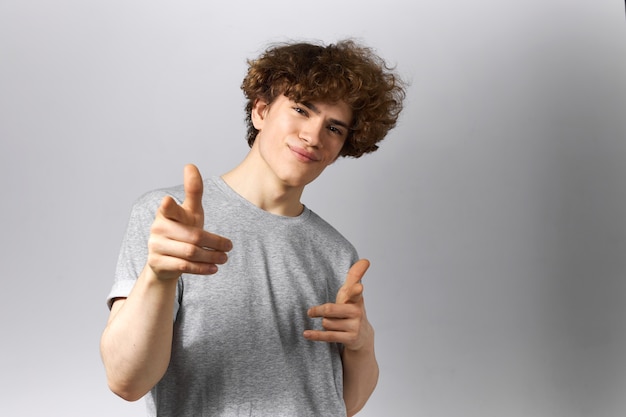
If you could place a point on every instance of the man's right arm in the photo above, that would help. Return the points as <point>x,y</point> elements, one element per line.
<point>137,340</point>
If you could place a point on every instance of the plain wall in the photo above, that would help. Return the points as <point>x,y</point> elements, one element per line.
<point>494,214</point>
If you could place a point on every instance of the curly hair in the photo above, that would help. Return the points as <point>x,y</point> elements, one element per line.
<point>344,71</point>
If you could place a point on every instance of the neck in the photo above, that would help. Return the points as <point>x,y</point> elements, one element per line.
<point>264,190</point>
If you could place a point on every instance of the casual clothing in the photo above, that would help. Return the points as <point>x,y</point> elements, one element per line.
<point>238,348</point>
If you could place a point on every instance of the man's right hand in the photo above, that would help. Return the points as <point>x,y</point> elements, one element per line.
<point>178,242</point>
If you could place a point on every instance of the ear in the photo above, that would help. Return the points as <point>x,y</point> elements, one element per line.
<point>259,110</point>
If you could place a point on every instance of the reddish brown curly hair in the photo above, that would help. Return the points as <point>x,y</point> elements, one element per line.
<point>345,71</point>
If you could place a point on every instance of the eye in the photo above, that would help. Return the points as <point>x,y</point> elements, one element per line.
<point>300,110</point>
<point>335,130</point>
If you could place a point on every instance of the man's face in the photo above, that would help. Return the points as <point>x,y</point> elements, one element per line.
<point>297,141</point>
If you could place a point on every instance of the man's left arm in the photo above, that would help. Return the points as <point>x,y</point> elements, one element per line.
<point>345,322</point>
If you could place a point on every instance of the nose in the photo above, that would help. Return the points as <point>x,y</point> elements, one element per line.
<point>311,133</point>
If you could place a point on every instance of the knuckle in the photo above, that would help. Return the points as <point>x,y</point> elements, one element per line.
<point>351,339</point>
<point>155,243</point>
<point>195,236</point>
<point>152,260</point>
<point>189,252</point>
<point>157,225</point>
<point>328,309</point>
<point>182,266</point>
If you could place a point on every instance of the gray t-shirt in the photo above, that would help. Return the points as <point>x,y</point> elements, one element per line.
<point>238,348</point>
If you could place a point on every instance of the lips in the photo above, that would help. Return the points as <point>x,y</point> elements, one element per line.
<point>304,155</point>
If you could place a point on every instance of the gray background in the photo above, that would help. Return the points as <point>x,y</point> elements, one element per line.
<point>494,215</point>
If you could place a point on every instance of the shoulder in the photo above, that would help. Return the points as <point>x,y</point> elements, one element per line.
<point>154,197</point>
<point>332,238</point>
<point>318,223</point>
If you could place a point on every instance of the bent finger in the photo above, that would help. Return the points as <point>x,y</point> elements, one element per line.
<point>172,267</point>
<point>329,336</point>
<point>340,325</point>
<point>185,251</point>
<point>330,310</point>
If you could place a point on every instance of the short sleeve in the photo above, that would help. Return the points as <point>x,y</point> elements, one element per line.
<point>134,249</point>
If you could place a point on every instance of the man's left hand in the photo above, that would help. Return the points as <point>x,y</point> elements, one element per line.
<point>345,320</point>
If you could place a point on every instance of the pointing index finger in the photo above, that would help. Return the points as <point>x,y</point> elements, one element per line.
<point>355,274</point>
<point>357,271</point>
<point>193,193</point>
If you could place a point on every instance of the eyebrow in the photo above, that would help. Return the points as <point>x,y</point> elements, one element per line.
<point>313,108</point>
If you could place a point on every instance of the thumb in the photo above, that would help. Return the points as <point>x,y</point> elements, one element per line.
<point>352,288</point>
<point>193,193</point>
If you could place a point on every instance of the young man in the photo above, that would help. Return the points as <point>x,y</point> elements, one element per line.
<point>231,297</point>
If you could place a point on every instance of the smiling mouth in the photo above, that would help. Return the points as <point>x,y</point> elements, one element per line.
<point>303,154</point>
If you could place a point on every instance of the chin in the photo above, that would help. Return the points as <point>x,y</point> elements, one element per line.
<point>297,182</point>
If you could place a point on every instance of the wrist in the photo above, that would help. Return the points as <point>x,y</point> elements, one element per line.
<point>154,279</point>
